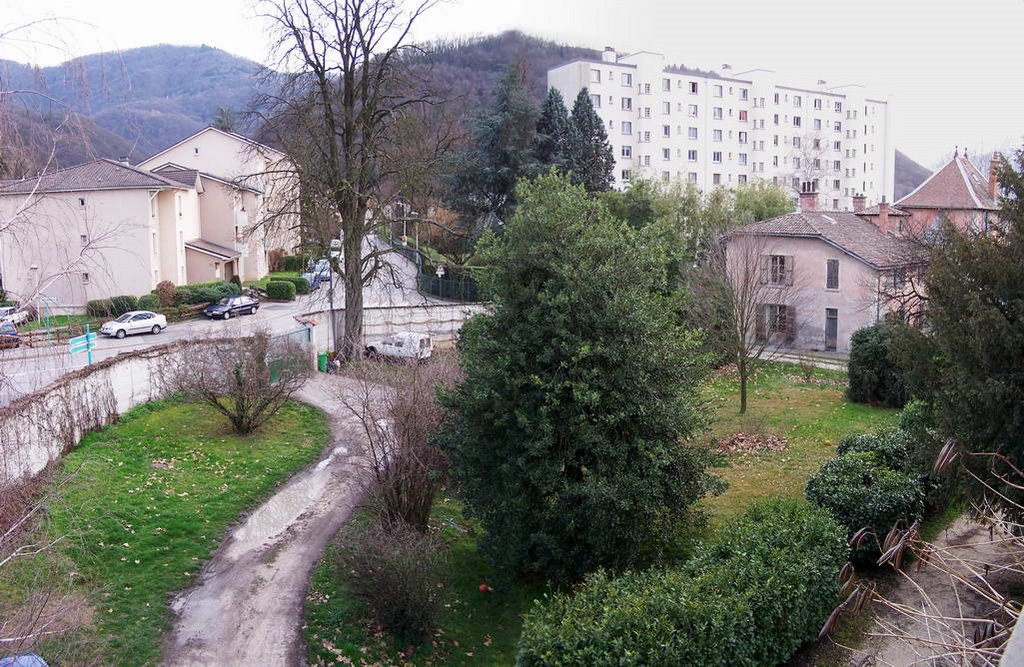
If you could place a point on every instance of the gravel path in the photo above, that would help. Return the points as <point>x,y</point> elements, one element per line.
<point>246,607</point>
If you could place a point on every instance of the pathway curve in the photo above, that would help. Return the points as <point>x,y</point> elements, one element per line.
<point>246,606</point>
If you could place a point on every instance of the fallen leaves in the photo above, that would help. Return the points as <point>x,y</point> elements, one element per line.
<point>744,443</point>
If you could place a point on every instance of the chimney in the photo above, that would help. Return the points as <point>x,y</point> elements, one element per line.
<point>885,223</point>
<point>808,197</point>
<point>124,160</point>
<point>859,200</point>
<point>993,174</point>
<point>609,55</point>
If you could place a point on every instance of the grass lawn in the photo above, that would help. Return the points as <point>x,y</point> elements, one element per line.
<point>262,282</point>
<point>475,628</point>
<point>57,321</point>
<point>811,416</point>
<point>149,500</point>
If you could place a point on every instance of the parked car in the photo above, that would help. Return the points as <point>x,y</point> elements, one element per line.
<point>318,273</point>
<point>9,336</point>
<point>404,345</point>
<point>13,314</point>
<point>134,322</point>
<point>230,306</point>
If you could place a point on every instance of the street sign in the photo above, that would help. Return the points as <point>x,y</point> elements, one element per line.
<point>84,343</point>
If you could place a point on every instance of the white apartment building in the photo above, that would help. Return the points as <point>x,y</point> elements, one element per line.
<point>667,122</point>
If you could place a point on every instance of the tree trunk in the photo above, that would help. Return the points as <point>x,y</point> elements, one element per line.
<point>743,384</point>
<point>352,337</point>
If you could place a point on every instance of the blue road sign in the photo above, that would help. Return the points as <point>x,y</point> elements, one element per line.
<point>84,343</point>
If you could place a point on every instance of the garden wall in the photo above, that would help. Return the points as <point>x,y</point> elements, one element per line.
<point>442,321</point>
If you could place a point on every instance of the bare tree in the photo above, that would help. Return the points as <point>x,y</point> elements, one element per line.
<point>405,467</point>
<point>350,91</point>
<point>247,380</point>
<point>754,288</point>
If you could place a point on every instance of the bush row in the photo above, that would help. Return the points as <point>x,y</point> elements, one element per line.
<point>208,292</point>
<point>166,295</point>
<point>281,290</point>
<point>113,307</point>
<point>301,284</point>
<point>753,598</point>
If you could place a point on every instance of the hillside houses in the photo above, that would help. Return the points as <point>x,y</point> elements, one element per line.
<point>196,211</point>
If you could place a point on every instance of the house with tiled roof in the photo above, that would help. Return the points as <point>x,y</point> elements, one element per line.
<point>821,274</point>
<point>94,230</point>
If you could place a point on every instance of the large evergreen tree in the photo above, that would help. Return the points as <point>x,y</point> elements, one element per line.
<point>970,362</point>
<point>554,130</point>
<point>591,158</point>
<point>570,436</point>
<point>483,178</point>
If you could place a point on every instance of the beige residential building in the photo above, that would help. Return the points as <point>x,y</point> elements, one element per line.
<point>244,185</point>
<point>94,230</point>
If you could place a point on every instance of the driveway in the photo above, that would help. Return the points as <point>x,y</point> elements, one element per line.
<point>247,604</point>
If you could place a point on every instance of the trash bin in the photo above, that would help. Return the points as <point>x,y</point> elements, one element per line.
<point>321,362</point>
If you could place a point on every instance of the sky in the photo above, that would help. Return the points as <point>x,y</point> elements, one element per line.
<point>946,67</point>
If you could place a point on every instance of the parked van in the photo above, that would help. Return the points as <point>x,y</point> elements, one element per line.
<point>403,345</point>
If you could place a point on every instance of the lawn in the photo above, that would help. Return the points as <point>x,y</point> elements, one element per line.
<point>148,501</point>
<point>811,416</point>
<point>57,321</point>
<point>483,628</point>
<point>474,628</point>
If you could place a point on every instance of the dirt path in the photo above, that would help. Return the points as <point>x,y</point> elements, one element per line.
<point>964,539</point>
<point>246,606</point>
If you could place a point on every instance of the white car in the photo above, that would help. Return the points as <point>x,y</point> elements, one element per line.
<point>135,322</point>
<point>13,314</point>
<point>404,345</point>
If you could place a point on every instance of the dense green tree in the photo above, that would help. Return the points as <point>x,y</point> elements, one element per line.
<point>569,440</point>
<point>554,132</point>
<point>969,364</point>
<point>483,178</point>
<point>590,156</point>
<point>761,200</point>
<point>875,374</point>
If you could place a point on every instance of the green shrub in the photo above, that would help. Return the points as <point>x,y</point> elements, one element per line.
<point>890,445</point>
<point>99,308</point>
<point>208,292</point>
<point>122,304</point>
<point>301,284</point>
<point>149,302</point>
<point>917,421</point>
<point>753,598</point>
<point>281,290</point>
<point>236,280</point>
<point>861,491</point>
<point>294,263</point>
<point>875,375</point>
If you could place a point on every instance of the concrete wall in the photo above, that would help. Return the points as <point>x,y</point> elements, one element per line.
<point>441,321</point>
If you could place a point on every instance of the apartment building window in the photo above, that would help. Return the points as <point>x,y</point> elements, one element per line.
<point>817,123</point>
<point>742,178</point>
<point>627,127</point>
<point>83,239</point>
<point>797,101</point>
<point>832,273</point>
<point>647,137</point>
<point>839,107</point>
<point>627,103</point>
<point>796,121</point>
<point>837,165</point>
<point>776,98</point>
<point>716,113</point>
<point>611,125</point>
<point>838,127</point>
<point>647,89</point>
<point>817,144</point>
<point>743,93</point>
<point>716,179</point>
<point>627,79</point>
<point>775,160</point>
<point>691,132</point>
<point>743,116</point>
<point>691,155</point>
<point>627,151</point>
<point>817,103</point>
<point>692,177</point>
<point>647,160</point>
<point>666,176</point>
<point>836,185</point>
<point>626,174</point>
<point>837,146</point>
<point>716,157</point>
<point>666,131</point>
<point>775,119</point>
<point>716,135</point>
<point>647,112</point>
<point>666,153</point>
<point>796,142</point>
<point>717,91</point>
<point>595,76</point>
<point>743,137</point>
<point>691,109</point>
<point>666,108</point>
<point>85,278</point>
<point>742,158</point>
<point>775,140</point>
<point>81,201</point>
<point>693,87</point>
<point>666,85</point>
<point>596,101</point>
<point>155,247</point>
<point>796,163</point>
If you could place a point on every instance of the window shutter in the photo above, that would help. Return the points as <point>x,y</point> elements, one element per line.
<point>789,270</point>
<point>765,268</point>
<point>762,315</point>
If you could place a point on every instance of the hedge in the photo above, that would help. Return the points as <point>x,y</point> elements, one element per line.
<point>294,263</point>
<point>874,375</point>
<point>890,445</point>
<point>861,491</point>
<point>753,598</point>
<point>208,292</point>
<point>112,307</point>
<point>301,284</point>
<point>281,290</point>
<point>149,302</point>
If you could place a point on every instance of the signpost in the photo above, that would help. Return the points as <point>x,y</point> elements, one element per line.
<point>84,343</point>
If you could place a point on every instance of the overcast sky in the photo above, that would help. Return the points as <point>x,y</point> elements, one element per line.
<point>947,67</point>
